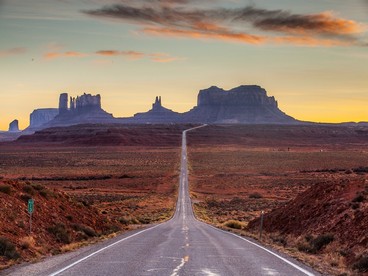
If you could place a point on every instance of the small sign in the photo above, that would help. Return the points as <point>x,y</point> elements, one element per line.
<point>30,205</point>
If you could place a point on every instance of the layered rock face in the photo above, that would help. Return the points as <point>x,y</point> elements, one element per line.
<point>82,109</point>
<point>42,116</point>
<point>243,104</point>
<point>14,126</point>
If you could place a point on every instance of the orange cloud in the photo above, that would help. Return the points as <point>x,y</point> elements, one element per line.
<point>308,41</point>
<point>135,55</point>
<point>323,23</point>
<point>163,58</point>
<point>226,36</point>
<point>70,54</point>
<point>12,52</point>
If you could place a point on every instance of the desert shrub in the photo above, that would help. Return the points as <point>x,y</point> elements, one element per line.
<point>29,190</point>
<point>60,232</point>
<point>6,189</point>
<point>359,198</point>
<point>111,228</point>
<point>85,229</point>
<point>7,249</point>
<point>313,245</point>
<point>38,187</point>
<point>144,220</point>
<point>124,220</point>
<point>25,197</point>
<point>321,241</point>
<point>361,264</point>
<point>255,195</point>
<point>279,240</point>
<point>233,224</point>
<point>27,242</point>
<point>69,217</point>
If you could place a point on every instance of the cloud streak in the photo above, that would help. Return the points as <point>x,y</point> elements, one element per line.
<point>13,52</point>
<point>131,55</point>
<point>247,25</point>
<point>135,55</point>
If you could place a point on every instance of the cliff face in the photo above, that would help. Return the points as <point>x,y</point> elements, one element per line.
<point>13,126</point>
<point>41,116</point>
<point>243,104</point>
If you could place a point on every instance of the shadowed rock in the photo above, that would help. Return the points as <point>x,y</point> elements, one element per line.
<point>14,126</point>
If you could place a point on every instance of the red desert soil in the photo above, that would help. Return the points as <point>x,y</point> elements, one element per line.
<point>338,209</point>
<point>58,220</point>
<point>123,176</point>
<point>312,177</point>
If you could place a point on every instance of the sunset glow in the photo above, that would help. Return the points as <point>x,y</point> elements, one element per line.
<point>313,57</point>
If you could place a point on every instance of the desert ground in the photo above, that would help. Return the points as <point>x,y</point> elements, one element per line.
<point>130,180</point>
<point>122,177</point>
<point>239,171</point>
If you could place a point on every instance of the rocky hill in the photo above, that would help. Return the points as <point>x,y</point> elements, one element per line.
<point>57,222</point>
<point>243,104</point>
<point>330,218</point>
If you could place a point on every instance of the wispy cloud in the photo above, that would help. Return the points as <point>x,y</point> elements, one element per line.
<point>127,54</point>
<point>135,55</point>
<point>12,52</point>
<point>130,54</point>
<point>247,25</point>
<point>68,54</point>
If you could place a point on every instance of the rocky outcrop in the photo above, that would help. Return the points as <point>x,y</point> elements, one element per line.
<point>243,104</point>
<point>14,126</point>
<point>42,116</point>
<point>82,109</point>
<point>158,114</point>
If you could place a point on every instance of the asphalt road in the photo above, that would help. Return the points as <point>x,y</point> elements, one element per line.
<point>181,246</point>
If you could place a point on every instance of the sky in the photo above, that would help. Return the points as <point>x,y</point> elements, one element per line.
<point>312,56</point>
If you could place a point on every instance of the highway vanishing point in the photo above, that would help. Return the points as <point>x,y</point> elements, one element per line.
<point>181,246</point>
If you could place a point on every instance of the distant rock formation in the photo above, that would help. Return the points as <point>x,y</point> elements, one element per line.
<point>42,116</point>
<point>82,109</point>
<point>246,104</point>
<point>243,104</point>
<point>14,126</point>
<point>158,114</point>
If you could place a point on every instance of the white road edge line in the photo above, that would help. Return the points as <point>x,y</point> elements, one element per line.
<point>306,272</point>
<point>100,250</point>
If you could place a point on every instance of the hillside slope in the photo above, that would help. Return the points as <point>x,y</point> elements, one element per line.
<point>57,222</point>
<point>328,218</point>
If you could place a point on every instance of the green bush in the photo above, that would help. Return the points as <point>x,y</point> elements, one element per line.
<point>6,189</point>
<point>7,249</point>
<point>233,224</point>
<point>60,232</point>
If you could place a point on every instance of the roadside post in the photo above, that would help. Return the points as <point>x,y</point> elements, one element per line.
<point>30,212</point>
<point>261,226</point>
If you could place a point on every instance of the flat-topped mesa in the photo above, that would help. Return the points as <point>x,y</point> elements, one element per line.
<point>243,104</point>
<point>244,95</point>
